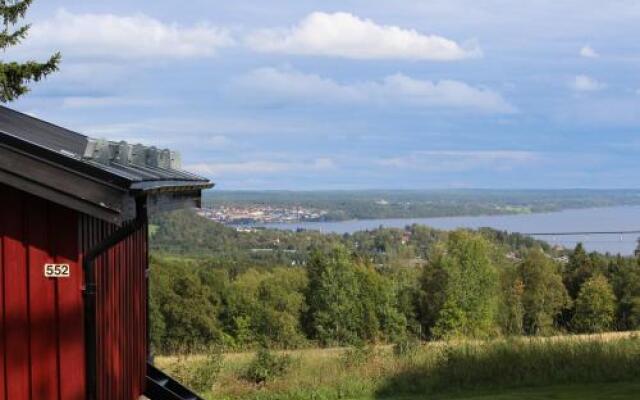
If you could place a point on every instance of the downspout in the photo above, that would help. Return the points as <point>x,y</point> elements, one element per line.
<point>90,291</point>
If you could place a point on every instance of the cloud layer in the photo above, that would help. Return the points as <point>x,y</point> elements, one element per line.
<point>124,37</point>
<point>588,52</point>
<point>260,167</point>
<point>461,160</point>
<point>585,83</point>
<point>399,89</point>
<point>346,35</point>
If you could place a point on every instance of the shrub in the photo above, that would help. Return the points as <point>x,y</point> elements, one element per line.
<point>406,347</point>
<point>357,355</point>
<point>199,375</point>
<point>266,366</point>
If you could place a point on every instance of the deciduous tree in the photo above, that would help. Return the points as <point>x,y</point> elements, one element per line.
<point>460,287</point>
<point>595,306</point>
<point>544,295</point>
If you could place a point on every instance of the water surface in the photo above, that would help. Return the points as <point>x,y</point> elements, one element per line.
<point>624,218</point>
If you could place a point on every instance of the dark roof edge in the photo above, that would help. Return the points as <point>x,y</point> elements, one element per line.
<point>171,186</point>
<point>66,161</point>
<point>94,171</point>
<point>42,121</point>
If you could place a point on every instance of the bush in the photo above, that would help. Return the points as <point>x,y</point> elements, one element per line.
<point>357,355</point>
<point>266,366</point>
<point>406,347</point>
<point>199,375</point>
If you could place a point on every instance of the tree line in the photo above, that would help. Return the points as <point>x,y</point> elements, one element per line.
<point>391,285</point>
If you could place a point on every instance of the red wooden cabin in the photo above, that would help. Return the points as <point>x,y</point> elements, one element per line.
<point>73,262</point>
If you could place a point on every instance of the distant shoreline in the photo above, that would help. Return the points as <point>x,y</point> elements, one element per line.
<point>325,207</point>
<point>621,218</point>
<point>258,224</point>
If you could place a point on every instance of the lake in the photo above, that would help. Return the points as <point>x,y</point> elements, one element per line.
<point>624,218</point>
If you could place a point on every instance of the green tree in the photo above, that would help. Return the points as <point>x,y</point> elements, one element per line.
<point>191,319</point>
<point>579,268</point>
<point>378,302</point>
<point>624,275</point>
<point>15,76</point>
<point>333,316</point>
<point>266,307</point>
<point>183,315</point>
<point>544,295</point>
<point>157,325</point>
<point>595,306</point>
<point>350,302</point>
<point>406,283</point>
<point>511,310</point>
<point>459,288</point>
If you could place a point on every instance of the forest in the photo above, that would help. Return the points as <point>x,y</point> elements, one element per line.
<point>214,286</point>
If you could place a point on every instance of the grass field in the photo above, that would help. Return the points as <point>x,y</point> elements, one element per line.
<point>609,391</point>
<point>585,367</point>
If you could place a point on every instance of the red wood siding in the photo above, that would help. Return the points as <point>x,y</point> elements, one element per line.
<point>42,349</point>
<point>121,311</point>
<point>41,320</point>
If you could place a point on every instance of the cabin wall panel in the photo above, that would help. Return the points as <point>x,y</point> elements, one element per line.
<point>42,344</point>
<point>41,319</point>
<point>121,310</point>
<point>17,355</point>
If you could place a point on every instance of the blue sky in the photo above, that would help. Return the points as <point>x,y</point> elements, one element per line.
<point>354,94</point>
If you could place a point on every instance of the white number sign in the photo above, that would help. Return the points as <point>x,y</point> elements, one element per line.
<point>57,271</point>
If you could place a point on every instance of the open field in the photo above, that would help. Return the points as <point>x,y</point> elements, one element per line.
<point>607,391</point>
<point>557,366</point>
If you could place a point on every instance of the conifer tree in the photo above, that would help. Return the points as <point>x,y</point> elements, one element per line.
<point>579,268</point>
<point>15,76</point>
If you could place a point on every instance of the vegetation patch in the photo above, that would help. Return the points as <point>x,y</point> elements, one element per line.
<point>198,373</point>
<point>437,369</point>
<point>266,366</point>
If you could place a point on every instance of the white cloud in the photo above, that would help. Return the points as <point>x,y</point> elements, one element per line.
<point>585,83</point>
<point>124,37</point>
<point>107,101</point>
<point>460,160</point>
<point>398,89</point>
<point>239,167</point>
<point>260,167</point>
<point>290,84</point>
<point>588,52</point>
<point>345,35</point>
<point>189,135</point>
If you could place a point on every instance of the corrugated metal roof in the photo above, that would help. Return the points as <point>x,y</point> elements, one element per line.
<point>60,141</point>
<point>41,132</point>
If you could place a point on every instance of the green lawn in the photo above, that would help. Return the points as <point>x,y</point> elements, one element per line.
<point>608,391</point>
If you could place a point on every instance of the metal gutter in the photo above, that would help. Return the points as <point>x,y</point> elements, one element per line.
<point>171,186</point>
